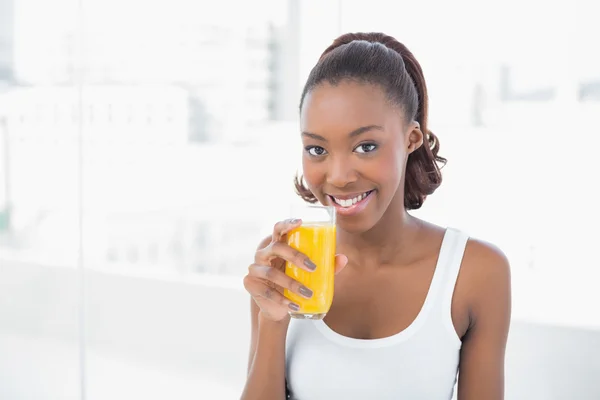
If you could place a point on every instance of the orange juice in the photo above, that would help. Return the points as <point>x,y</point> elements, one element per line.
<point>317,241</point>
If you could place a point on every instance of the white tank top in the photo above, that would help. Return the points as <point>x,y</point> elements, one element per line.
<point>420,362</point>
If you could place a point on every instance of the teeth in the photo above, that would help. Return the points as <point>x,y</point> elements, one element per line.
<point>350,202</point>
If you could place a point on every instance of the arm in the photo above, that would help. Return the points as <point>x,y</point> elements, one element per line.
<point>481,369</point>
<point>266,364</point>
<point>269,313</point>
<point>266,361</point>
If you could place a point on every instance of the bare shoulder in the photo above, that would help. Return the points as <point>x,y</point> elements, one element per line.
<point>485,261</point>
<point>485,275</point>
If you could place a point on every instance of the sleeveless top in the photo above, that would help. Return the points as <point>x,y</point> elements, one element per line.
<point>420,362</point>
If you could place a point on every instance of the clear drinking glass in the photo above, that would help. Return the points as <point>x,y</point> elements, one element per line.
<point>316,238</point>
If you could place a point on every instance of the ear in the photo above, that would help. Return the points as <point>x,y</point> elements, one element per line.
<point>414,137</point>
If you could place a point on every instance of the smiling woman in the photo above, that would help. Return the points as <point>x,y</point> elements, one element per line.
<point>415,303</point>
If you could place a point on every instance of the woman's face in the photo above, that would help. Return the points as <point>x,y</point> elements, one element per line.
<point>356,146</point>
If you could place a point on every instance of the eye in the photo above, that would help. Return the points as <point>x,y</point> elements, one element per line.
<point>365,148</point>
<point>315,151</point>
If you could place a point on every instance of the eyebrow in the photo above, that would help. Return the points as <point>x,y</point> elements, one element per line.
<point>354,133</point>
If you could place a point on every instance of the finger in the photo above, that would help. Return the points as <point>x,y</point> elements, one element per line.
<point>280,278</point>
<point>340,263</point>
<point>283,227</point>
<point>258,288</point>
<point>288,253</point>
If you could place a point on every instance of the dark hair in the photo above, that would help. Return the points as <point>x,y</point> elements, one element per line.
<point>379,59</point>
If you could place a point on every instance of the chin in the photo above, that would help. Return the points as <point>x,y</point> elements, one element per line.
<point>355,225</point>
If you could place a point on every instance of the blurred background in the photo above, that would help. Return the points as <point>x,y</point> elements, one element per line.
<point>146,147</point>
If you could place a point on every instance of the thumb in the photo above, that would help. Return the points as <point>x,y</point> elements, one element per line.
<point>340,262</point>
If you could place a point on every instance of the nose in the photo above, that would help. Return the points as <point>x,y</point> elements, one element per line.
<point>341,172</point>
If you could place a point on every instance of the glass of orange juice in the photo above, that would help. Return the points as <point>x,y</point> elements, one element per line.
<point>316,238</point>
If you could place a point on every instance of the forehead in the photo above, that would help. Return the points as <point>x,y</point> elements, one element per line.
<point>347,105</point>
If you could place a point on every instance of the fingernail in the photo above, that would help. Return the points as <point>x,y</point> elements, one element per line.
<point>306,292</point>
<point>293,220</point>
<point>294,307</point>
<point>311,265</point>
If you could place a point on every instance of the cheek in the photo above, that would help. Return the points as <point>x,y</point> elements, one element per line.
<point>390,168</point>
<point>314,173</point>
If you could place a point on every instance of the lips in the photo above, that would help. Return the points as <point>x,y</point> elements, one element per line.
<point>351,204</point>
<point>347,201</point>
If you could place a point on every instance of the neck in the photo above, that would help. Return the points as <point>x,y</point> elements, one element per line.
<point>385,243</point>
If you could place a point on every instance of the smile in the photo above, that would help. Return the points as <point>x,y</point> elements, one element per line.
<point>352,205</point>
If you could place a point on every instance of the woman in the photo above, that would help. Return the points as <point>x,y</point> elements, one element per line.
<point>414,303</point>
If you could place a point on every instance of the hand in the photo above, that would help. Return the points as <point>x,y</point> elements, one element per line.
<point>266,278</point>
